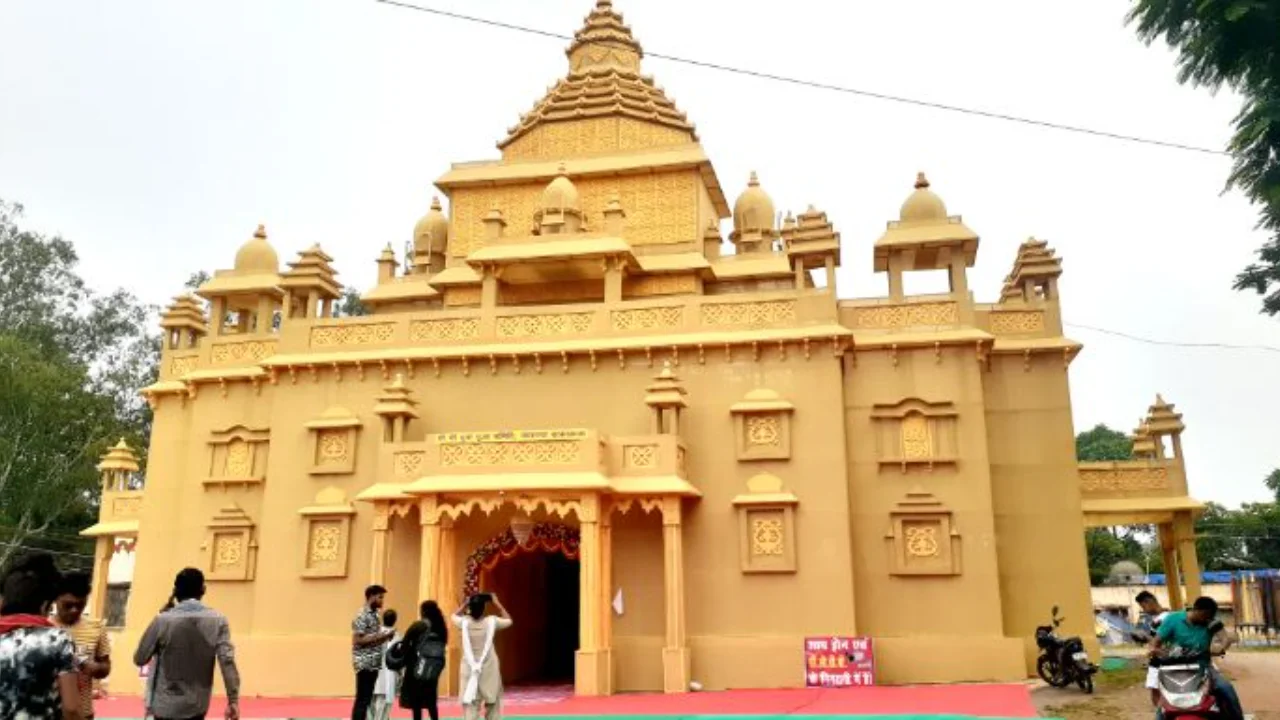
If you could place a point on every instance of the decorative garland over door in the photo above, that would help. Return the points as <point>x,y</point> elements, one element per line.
<point>545,537</point>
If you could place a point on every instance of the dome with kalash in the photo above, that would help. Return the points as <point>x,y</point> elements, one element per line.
<point>753,216</point>
<point>561,207</point>
<point>257,255</point>
<point>431,234</point>
<point>923,205</point>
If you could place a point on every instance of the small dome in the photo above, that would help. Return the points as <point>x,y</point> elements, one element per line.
<point>753,210</point>
<point>433,226</point>
<point>923,205</point>
<point>561,195</point>
<point>257,255</point>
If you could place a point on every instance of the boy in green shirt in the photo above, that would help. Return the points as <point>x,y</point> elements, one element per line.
<point>1189,630</point>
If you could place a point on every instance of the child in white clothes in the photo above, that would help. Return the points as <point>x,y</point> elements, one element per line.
<point>384,692</point>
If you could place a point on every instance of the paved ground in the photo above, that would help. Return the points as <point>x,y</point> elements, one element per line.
<point>1121,695</point>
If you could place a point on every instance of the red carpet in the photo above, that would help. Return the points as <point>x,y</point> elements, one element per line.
<point>1002,701</point>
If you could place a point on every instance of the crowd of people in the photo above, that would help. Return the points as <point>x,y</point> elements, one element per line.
<point>52,654</point>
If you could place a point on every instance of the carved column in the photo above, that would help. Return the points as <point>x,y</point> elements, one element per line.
<point>1185,533</point>
<point>448,595</point>
<point>612,280</point>
<point>829,264</point>
<point>1169,553</point>
<point>675,654</point>
<point>429,558</point>
<point>103,549</point>
<point>592,661</point>
<point>606,592</point>
<point>488,287</point>
<point>381,530</point>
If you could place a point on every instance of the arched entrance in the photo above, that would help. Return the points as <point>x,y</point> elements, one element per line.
<point>538,582</point>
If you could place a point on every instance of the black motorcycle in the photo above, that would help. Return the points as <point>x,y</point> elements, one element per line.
<point>1063,660</point>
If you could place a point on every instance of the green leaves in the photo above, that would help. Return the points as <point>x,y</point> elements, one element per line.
<point>1102,443</point>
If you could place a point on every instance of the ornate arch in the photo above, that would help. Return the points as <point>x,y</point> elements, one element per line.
<point>545,537</point>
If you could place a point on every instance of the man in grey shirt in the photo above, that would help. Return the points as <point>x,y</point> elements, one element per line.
<point>185,642</point>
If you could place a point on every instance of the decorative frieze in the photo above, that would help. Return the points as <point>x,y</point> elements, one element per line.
<point>1015,322</point>
<point>182,365</point>
<point>242,352</point>
<point>1120,479</point>
<point>652,318</point>
<point>518,326</point>
<point>763,312</point>
<point>352,335</point>
<point>446,329</point>
<point>890,317</point>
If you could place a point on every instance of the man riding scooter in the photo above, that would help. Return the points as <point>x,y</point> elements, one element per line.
<point>1189,631</point>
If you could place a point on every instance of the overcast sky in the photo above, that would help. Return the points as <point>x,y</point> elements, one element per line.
<point>156,134</point>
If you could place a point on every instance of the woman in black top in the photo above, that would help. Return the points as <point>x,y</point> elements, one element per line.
<point>421,655</point>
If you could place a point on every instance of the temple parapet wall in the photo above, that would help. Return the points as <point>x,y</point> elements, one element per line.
<point>1132,479</point>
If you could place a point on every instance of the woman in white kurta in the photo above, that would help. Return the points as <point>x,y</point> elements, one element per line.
<point>480,674</point>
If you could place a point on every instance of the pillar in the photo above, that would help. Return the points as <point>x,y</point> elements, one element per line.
<point>448,595</point>
<point>959,280</point>
<point>381,556</point>
<point>429,558</point>
<point>313,305</point>
<point>612,280</point>
<point>1184,532</point>
<point>675,653</point>
<point>592,662</point>
<point>606,592</point>
<point>489,288</point>
<point>829,263</point>
<point>263,324</point>
<point>798,267</point>
<point>1169,552</point>
<point>103,549</point>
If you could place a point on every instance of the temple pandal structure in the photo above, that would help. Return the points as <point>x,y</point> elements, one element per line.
<point>671,460</point>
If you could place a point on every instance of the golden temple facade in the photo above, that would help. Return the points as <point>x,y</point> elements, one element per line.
<point>673,453</point>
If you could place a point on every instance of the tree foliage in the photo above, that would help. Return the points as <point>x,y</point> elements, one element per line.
<point>1235,43</point>
<point>1102,443</point>
<point>94,352</point>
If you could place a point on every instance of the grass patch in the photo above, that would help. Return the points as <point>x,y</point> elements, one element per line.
<point>1129,676</point>
<point>1091,710</point>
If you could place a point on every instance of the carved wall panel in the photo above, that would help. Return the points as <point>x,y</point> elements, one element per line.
<point>462,296</point>
<point>242,352</point>
<point>545,452</point>
<point>922,538</point>
<point>1120,479</point>
<point>762,426</point>
<point>550,325</point>
<point>764,312</point>
<point>334,438</point>
<point>180,366</point>
<point>913,432</point>
<point>888,317</point>
<point>558,141</point>
<point>650,285</point>
<point>1016,322</point>
<point>352,335</point>
<point>327,535</point>
<point>647,318</point>
<point>237,456</point>
<point>556,292</point>
<point>230,548</point>
<point>640,457</point>
<point>447,329</point>
<point>766,522</point>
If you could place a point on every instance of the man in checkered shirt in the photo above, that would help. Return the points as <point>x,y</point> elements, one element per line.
<point>367,638</point>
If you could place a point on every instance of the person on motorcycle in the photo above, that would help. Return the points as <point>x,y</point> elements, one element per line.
<point>1189,630</point>
<point>1152,615</point>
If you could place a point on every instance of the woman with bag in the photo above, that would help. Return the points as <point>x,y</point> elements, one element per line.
<point>479,674</point>
<point>421,656</point>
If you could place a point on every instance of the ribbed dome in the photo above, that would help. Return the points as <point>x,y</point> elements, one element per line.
<point>923,205</point>
<point>433,226</point>
<point>753,210</point>
<point>257,255</point>
<point>560,195</point>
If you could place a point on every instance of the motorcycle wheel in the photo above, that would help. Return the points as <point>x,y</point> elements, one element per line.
<point>1048,671</point>
<point>1085,682</point>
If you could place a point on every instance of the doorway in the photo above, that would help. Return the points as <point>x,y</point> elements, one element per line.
<point>540,590</point>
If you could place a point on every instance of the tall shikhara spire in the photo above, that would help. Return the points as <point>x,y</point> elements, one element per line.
<point>604,81</point>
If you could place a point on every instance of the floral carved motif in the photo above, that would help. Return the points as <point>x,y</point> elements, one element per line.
<point>1121,479</point>
<point>182,365</point>
<point>451,329</point>
<point>228,551</point>
<point>550,452</point>
<point>407,464</point>
<point>749,313</point>
<point>239,463</point>
<point>642,456</point>
<point>333,447</point>
<point>541,325</point>
<point>243,352</point>
<point>922,541</point>
<point>1016,322</point>
<point>917,444</point>
<point>459,296</point>
<point>767,536</point>
<point>342,335</point>
<point>900,316</point>
<point>647,318</point>
<point>326,539</point>
<point>763,430</point>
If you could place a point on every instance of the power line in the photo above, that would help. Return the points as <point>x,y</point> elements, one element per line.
<point>817,85</point>
<point>1174,343</point>
<point>34,549</point>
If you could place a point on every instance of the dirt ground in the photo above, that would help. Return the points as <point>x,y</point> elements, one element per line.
<point>1120,694</point>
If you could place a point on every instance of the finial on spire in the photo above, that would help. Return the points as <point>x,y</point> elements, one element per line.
<point>261,232</point>
<point>753,181</point>
<point>560,170</point>
<point>922,182</point>
<point>435,202</point>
